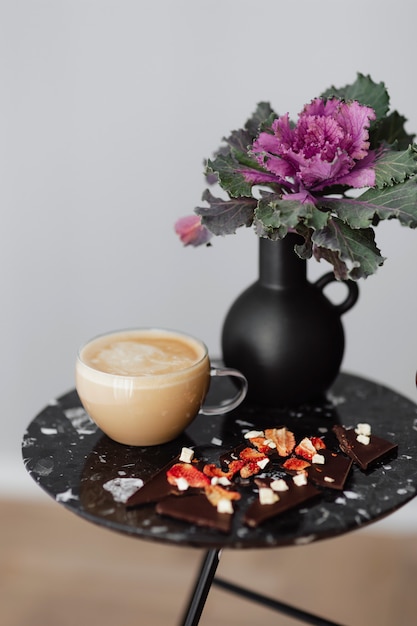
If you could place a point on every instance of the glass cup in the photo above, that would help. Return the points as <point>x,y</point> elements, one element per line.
<point>143,387</point>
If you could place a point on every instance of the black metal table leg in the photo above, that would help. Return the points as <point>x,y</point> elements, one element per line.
<point>276,605</point>
<point>202,588</point>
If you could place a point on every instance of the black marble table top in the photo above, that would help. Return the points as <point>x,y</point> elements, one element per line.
<point>89,474</point>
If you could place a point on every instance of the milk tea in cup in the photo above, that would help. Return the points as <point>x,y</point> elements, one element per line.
<point>143,387</point>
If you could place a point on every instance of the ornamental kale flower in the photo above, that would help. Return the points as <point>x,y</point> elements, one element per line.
<point>331,177</point>
<point>329,145</point>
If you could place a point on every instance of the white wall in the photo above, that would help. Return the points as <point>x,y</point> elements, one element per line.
<point>108,108</point>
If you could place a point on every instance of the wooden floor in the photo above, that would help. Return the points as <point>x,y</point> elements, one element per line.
<point>58,570</point>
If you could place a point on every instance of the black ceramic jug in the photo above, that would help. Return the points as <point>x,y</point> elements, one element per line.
<point>283,333</point>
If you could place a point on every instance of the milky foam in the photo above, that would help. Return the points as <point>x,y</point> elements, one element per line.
<point>140,356</point>
<point>130,358</point>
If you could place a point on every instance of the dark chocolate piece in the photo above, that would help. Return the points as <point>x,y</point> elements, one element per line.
<point>195,509</point>
<point>154,489</point>
<point>333,472</point>
<point>363,455</point>
<point>258,513</point>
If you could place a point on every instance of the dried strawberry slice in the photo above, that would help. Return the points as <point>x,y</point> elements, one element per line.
<point>318,443</point>
<point>213,471</point>
<point>251,468</point>
<point>235,467</point>
<point>252,462</point>
<point>295,465</point>
<point>251,455</point>
<point>260,445</point>
<point>283,438</point>
<point>305,449</point>
<point>190,473</point>
<point>215,493</point>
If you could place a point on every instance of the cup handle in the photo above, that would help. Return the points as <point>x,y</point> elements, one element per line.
<point>230,403</point>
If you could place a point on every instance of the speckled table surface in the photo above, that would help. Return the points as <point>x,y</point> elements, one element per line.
<point>86,472</point>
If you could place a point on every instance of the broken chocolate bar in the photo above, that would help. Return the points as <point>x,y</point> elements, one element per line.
<point>154,489</point>
<point>258,513</point>
<point>195,509</point>
<point>168,481</point>
<point>333,472</point>
<point>362,454</point>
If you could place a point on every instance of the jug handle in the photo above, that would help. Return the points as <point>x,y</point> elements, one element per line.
<point>352,296</point>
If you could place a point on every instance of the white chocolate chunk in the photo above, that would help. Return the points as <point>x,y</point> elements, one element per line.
<point>187,455</point>
<point>363,429</point>
<point>300,479</point>
<point>271,444</point>
<point>253,434</point>
<point>318,458</point>
<point>182,484</point>
<point>279,484</point>
<point>267,496</point>
<point>328,479</point>
<point>224,481</point>
<point>224,506</point>
<point>363,439</point>
<point>220,480</point>
<point>263,463</point>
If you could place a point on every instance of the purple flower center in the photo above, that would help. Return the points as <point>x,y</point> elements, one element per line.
<point>317,135</point>
<point>328,145</point>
